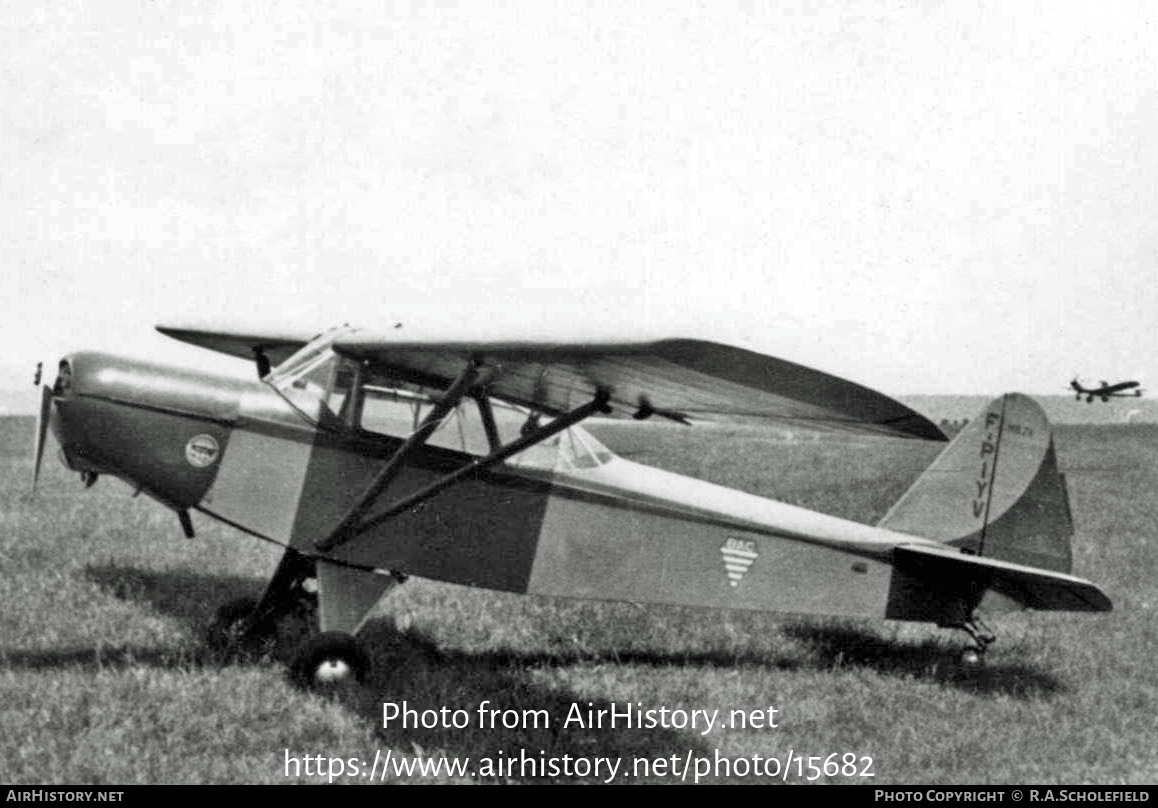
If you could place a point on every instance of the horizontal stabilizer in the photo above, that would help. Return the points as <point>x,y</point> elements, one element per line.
<point>939,569</point>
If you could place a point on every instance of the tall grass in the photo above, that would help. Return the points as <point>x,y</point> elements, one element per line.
<point>104,678</point>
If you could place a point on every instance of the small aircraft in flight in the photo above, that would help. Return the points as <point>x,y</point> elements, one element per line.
<point>1105,391</point>
<point>370,456</point>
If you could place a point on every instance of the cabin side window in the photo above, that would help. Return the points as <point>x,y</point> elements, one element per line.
<point>387,407</point>
<point>390,407</point>
<point>343,394</point>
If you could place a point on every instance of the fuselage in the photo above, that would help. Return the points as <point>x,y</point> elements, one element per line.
<point>565,518</point>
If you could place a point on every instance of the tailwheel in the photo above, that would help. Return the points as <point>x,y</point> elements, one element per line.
<point>973,656</point>
<point>330,660</point>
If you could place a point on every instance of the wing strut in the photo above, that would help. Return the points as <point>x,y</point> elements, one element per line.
<point>498,454</point>
<point>488,419</point>
<point>449,400</point>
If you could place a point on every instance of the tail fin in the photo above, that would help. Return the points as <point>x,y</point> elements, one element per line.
<point>995,491</point>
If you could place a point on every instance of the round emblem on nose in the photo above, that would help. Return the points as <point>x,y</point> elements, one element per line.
<point>201,450</point>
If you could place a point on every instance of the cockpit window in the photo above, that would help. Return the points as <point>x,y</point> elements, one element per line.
<point>308,354</point>
<point>343,394</point>
<point>391,409</point>
<point>309,379</point>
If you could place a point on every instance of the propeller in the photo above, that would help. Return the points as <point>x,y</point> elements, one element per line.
<point>41,431</point>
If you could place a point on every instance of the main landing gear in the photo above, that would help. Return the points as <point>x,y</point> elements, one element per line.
<point>973,656</point>
<point>286,618</point>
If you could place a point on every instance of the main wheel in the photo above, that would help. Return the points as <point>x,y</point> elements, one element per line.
<point>329,660</point>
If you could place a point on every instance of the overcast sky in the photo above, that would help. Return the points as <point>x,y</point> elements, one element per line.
<point>923,197</point>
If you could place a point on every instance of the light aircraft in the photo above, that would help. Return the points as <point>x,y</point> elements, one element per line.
<point>1105,391</point>
<point>374,455</point>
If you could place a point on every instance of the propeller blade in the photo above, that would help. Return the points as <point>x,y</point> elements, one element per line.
<point>41,431</point>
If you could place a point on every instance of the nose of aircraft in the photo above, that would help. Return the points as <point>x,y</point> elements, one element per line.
<point>161,429</point>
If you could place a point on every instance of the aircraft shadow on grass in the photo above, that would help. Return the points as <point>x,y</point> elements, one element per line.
<point>402,658</point>
<point>836,647</point>
<point>405,657</point>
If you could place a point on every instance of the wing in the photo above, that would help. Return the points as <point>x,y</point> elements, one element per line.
<point>677,378</point>
<point>277,345</point>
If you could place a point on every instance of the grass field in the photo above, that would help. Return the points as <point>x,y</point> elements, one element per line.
<point>104,679</point>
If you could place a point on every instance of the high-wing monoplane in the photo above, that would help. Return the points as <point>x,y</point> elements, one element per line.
<point>370,456</point>
<point>1105,391</point>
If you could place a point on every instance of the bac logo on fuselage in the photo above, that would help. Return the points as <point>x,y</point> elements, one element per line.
<point>201,451</point>
<point>739,555</point>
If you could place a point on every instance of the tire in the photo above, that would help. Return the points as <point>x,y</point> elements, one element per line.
<point>972,658</point>
<point>329,660</point>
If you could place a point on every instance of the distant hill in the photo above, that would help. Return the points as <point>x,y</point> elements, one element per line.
<point>19,402</point>
<point>1059,409</point>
